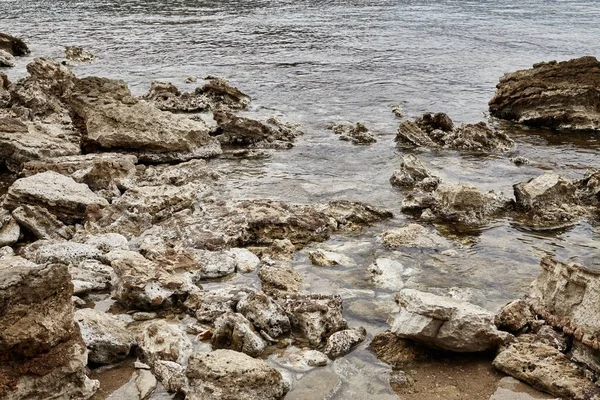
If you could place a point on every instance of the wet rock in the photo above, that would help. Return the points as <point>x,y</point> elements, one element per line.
<point>317,384</point>
<point>357,134</point>
<point>41,351</point>
<point>167,97</point>
<point>445,323</point>
<point>245,261</point>
<point>265,314</point>
<point>9,229</point>
<point>171,375</point>
<point>324,258</point>
<point>241,131</point>
<point>41,223</point>
<point>343,342</point>
<point>21,142</point>
<point>519,160</point>
<point>551,95</point>
<point>412,235</point>
<point>515,316</point>
<point>160,340</point>
<point>60,195</point>
<point>315,316</point>
<point>207,306</point>
<point>13,45</point>
<point>511,389</point>
<point>140,387</point>
<point>4,93</point>
<point>547,369</point>
<point>397,110</point>
<point>230,374</point>
<point>300,360</point>
<point>566,296</point>
<point>105,336</point>
<point>78,54</point>
<point>279,280</point>
<point>413,173</point>
<point>438,130</point>
<point>178,174</point>
<point>6,59</point>
<point>396,351</point>
<point>234,331</point>
<point>387,273</point>
<point>113,120</point>
<point>222,95</point>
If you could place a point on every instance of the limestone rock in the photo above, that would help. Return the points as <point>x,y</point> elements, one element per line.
<point>167,97</point>
<point>13,45</point>
<point>222,95</point>
<point>357,134</point>
<point>396,351</point>
<point>41,223</point>
<point>61,195</point>
<point>171,375</point>
<point>78,54</point>
<point>6,59</point>
<point>207,306</point>
<point>343,342</point>
<point>105,336</point>
<point>229,374</point>
<point>245,260</point>
<point>413,173</point>
<point>43,252</point>
<point>445,323</point>
<point>234,331</point>
<point>547,369</point>
<point>315,316</point>
<point>9,229</point>
<point>552,95</point>
<point>163,341</point>
<point>89,276</point>
<point>265,314</point>
<point>515,316</point>
<point>325,258</point>
<point>279,280</point>
<point>411,235</point>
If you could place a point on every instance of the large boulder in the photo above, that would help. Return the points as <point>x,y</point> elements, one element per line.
<point>41,351</point>
<point>60,195</point>
<point>13,45</point>
<point>228,374</point>
<point>563,96</point>
<point>445,323</point>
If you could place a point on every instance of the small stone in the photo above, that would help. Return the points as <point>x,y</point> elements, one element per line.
<point>343,342</point>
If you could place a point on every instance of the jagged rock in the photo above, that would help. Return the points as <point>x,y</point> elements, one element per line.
<point>207,306</point>
<point>245,260</point>
<point>222,95</point>
<point>315,316</point>
<point>397,110</point>
<point>413,173</point>
<point>234,331</point>
<point>61,195</point>
<point>78,54</point>
<point>548,199</point>
<point>229,374</point>
<point>439,131</point>
<point>105,336</point>
<point>21,142</point>
<point>445,323</point>
<point>279,280</point>
<point>324,258</point>
<point>171,375</point>
<point>41,223</point>
<point>584,355</point>
<point>89,276</point>
<point>13,45</point>
<point>567,297</point>
<point>43,252</point>
<point>412,235</point>
<point>167,97</point>
<point>108,242</point>
<point>113,120</point>
<point>265,314</point>
<point>108,172</point>
<point>553,95</point>
<point>357,134</point>
<point>9,229</point>
<point>515,316</point>
<point>6,59</point>
<point>547,369</point>
<point>41,351</point>
<point>4,93</point>
<point>396,351</point>
<point>317,384</point>
<point>387,273</point>
<point>163,341</point>
<point>343,342</point>
<point>241,131</point>
<point>178,175</point>
<point>140,387</point>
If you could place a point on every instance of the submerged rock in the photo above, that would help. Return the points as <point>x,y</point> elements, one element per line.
<point>445,323</point>
<point>228,374</point>
<point>553,95</point>
<point>265,314</point>
<point>324,258</point>
<point>78,54</point>
<point>343,342</point>
<point>13,45</point>
<point>357,134</point>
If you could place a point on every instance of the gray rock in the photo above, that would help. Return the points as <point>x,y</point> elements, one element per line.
<point>49,251</point>
<point>324,258</point>
<point>413,173</point>
<point>160,340</point>
<point>41,223</point>
<point>445,323</point>
<point>207,306</point>
<point>6,59</point>
<point>9,229</point>
<point>357,134</point>
<point>343,342</point>
<point>387,273</point>
<point>234,331</point>
<point>245,261</point>
<point>90,276</point>
<point>279,280</point>
<point>140,387</point>
<point>265,314</point>
<point>78,54</point>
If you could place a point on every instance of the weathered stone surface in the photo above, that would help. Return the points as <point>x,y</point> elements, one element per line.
<point>245,260</point>
<point>445,323</point>
<point>411,235</point>
<point>315,316</point>
<point>112,119</point>
<point>317,384</point>
<point>140,387</point>
<point>515,316</point>
<point>567,297</point>
<point>4,93</point>
<point>105,336</point>
<point>225,374</point>
<point>279,279</point>
<point>171,375</point>
<point>61,195</point>
<point>207,306</point>
<point>547,369</point>
<point>387,273</point>
<point>234,331</point>
<point>553,95</point>
<point>585,355</point>
<point>9,229</point>
<point>41,223</point>
<point>78,54</point>
<point>43,252</point>
<point>22,141</point>
<point>6,59</point>
<point>396,351</point>
<point>167,97</point>
<point>324,258</point>
<point>222,95</point>
<point>357,134</point>
<point>413,173</point>
<point>343,342</point>
<point>265,314</point>
<point>163,341</point>
<point>242,131</point>
<point>13,45</point>
<point>89,276</point>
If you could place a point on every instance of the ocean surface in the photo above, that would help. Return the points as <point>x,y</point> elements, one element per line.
<point>318,62</point>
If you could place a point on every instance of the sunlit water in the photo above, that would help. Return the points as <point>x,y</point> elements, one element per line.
<point>316,62</point>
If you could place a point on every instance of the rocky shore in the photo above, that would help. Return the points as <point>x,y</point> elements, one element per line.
<point>118,241</point>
